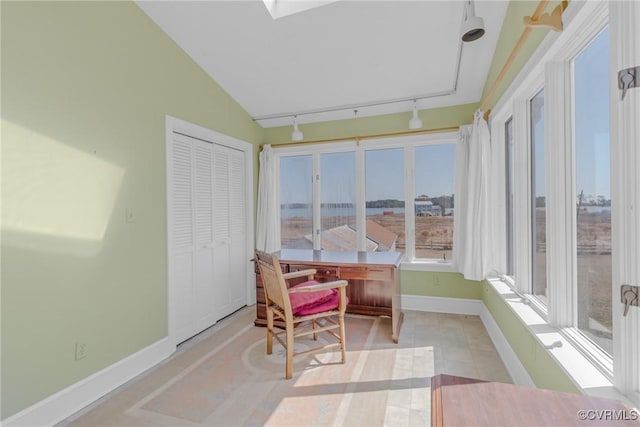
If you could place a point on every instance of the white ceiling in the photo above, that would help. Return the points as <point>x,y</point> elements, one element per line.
<point>323,63</point>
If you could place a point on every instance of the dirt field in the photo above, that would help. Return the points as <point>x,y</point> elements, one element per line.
<point>434,234</point>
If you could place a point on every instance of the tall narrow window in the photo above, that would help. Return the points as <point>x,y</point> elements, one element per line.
<point>338,202</point>
<point>384,195</point>
<point>593,191</point>
<point>434,172</point>
<point>539,201</point>
<point>296,202</point>
<point>508,142</point>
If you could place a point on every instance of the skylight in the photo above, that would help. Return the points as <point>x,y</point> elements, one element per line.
<point>282,8</point>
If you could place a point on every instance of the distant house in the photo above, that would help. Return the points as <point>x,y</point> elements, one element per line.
<point>425,207</point>
<point>343,238</point>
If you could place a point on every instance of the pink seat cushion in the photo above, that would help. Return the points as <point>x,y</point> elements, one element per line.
<point>309,302</point>
<point>330,304</point>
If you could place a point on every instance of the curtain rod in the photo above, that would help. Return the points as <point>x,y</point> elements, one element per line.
<point>516,49</point>
<point>358,138</point>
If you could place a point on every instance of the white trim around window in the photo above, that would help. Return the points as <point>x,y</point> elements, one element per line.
<point>550,67</point>
<point>407,143</point>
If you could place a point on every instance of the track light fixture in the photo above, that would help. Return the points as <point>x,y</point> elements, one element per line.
<point>415,122</point>
<point>473,26</point>
<point>296,135</point>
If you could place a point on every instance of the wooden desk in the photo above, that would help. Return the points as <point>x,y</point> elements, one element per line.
<point>459,401</point>
<point>374,280</point>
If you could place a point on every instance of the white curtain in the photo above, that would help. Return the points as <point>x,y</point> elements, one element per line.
<point>267,226</point>
<point>472,200</point>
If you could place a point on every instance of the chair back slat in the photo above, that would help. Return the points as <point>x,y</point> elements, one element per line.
<point>275,287</point>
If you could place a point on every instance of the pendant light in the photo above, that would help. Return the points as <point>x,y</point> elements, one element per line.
<point>296,135</point>
<point>473,26</point>
<point>415,122</point>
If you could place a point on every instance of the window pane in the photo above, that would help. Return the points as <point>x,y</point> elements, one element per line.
<point>593,201</point>
<point>296,202</point>
<point>434,184</point>
<point>538,191</point>
<point>384,195</point>
<point>508,138</point>
<point>338,202</point>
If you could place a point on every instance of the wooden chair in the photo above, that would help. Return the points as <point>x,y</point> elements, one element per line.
<point>300,307</point>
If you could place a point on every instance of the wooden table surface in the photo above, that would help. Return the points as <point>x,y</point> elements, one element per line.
<point>341,257</point>
<point>460,401</point>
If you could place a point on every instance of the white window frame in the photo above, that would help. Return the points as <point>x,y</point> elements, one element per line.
<point>551,66</point>
<point>407,143</point>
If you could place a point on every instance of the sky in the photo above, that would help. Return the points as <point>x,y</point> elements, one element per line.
<point>592,118</point>
<point>384,174</point>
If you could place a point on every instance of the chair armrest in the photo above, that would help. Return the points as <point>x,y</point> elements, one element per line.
<point>320,286</point>
<point>309,272</point>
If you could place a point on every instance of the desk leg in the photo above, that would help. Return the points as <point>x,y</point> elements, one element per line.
<point>396,307</point>
<point>396,323</point>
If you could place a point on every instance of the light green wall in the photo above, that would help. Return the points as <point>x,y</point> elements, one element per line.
<point>436,284</point>
<point>85,90</point>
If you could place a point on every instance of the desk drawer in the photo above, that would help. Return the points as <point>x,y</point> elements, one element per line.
<point>323,273</point>
<point>365,273</point>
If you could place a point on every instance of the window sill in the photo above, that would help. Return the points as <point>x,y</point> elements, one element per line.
<point>428,265</point>
<point>585,374</point>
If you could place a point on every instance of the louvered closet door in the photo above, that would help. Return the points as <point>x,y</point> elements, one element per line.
<point>204,286</point>
<point>208,237</point>
<point>229,228</point>
<point>181,239</point>
<point>192,220</point>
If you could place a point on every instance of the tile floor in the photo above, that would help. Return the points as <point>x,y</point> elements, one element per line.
<point>437,343</point>
<point>430,344</point>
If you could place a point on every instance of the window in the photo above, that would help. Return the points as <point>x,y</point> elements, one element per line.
<point>434,205</point>
<point>593,191</point>
<point>296,208</point>
<point>508,142</point>
<point>382,195</point>
<point>384,187</point>
<point>338,202</point>
<point>538,192</point>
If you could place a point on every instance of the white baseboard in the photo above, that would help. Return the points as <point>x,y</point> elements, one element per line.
<point>518,373</point>
<point>72,399</point>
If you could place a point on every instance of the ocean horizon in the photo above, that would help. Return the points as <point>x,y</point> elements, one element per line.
<point>333,212</point>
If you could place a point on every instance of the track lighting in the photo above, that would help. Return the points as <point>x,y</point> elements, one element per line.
<point>415,122</point>
<point>296,135</point>
<point>473,26</point>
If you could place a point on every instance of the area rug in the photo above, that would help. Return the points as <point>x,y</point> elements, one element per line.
<point>236,383</point>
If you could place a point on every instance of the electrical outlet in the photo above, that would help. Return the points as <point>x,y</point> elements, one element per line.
<point>81,350</point>
<point>130,216</point>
